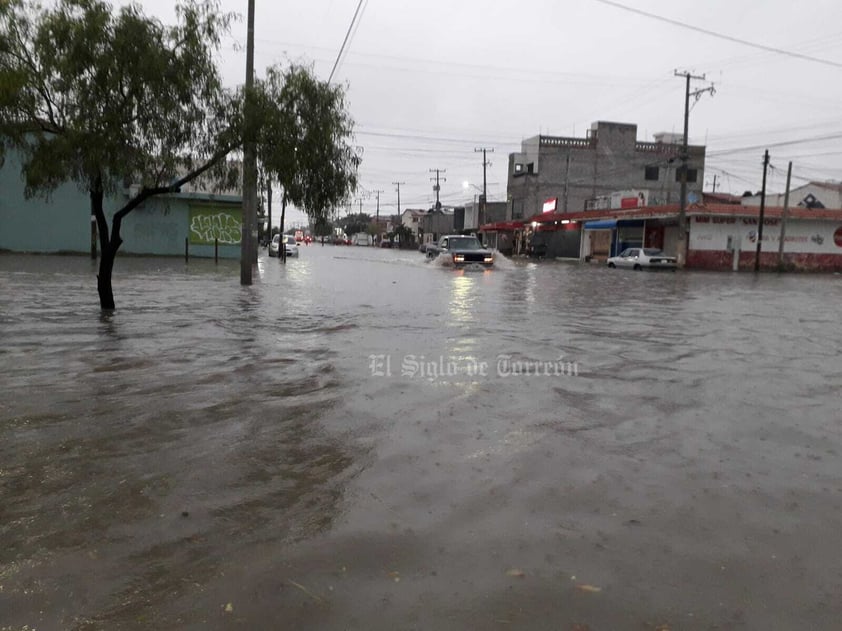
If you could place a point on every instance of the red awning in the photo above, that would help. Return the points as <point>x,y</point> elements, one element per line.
<point>501,226</point>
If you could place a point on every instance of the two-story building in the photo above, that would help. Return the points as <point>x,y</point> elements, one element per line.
<point>573,174</point>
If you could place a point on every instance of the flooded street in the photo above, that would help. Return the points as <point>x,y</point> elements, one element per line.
<point>361,440</point>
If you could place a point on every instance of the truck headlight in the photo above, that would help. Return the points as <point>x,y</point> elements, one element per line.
<point>458,258</point>
<point>489,259</point>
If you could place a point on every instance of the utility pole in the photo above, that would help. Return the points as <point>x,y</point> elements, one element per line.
<point>784,218</point>
<point>93,237</point>
<point>681,252</point>
<point>249,222</point>
<point>566,181</point>
<point>269,205</point>
<point>398,184</point>
<point>377,194</point>
<point>762,213</point>
<point>484,202</point>
<point>437,187</point>
<point>714,183</point>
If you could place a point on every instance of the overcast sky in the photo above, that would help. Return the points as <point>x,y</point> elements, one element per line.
<point>429,82</point>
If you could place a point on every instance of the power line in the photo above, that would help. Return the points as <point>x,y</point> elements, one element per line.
<point>783,143</point>
<point>345,41</point>
<point>729,38</point>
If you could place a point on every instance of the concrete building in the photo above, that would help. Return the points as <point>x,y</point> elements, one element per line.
<point>494,212</point>
<point>411,219</point>
<point>436,223</point>
<point>573,174</point>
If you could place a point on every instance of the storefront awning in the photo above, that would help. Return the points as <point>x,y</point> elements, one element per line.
<point>605,224</point>
<point>501,226</point>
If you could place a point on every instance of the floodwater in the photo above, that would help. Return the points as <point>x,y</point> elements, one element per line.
<point>360,440</point>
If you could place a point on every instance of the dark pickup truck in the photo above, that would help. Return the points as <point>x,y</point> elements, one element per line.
<point>462,251</point>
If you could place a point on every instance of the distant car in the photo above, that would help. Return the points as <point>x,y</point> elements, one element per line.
<point>290,245</point>
<point>385,243</point>
<point>642,258</point>
<point>274,245</point>
<point>462,250</point>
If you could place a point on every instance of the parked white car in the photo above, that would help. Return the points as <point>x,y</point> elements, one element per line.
<point>642,258</point>
<point>291,245</point>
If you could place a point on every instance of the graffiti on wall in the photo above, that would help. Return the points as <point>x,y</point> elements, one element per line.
<point>208,223</point>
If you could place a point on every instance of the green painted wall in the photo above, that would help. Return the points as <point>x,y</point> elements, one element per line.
<point>62,223</point>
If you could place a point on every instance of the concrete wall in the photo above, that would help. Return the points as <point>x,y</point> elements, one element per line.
<point>437,224</point>
<point>62,222</point>
<point>809,244</point>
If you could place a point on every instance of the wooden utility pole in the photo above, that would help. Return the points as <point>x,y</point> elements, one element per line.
<point>269,206</point>
<point>282,249</point>
<point>483,204</point>
<point>762,213</point>
<point>437,186</point>
<point>566,181</point>
<point>94,237</point>
<point>249,222</point>
<point>377,194</point>
<point>784,218</point>
<point>681,250</point>
<point>398,184</point>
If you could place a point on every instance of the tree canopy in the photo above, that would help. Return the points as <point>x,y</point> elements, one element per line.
<point>303,139</point>
<point>99,97</point>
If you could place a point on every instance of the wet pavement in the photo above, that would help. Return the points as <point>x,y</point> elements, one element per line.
<point>361,440</point>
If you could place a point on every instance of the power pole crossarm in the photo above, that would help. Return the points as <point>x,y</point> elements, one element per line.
<point>681,249</point>
<point>437,187</point>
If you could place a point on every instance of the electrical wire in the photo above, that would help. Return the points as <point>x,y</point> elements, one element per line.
<point>729,38</point>
<point>345,41</point>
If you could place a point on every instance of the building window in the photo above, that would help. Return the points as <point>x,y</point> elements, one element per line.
<point>518,169</point>
<point>652,173</point>
<point>692,174</point>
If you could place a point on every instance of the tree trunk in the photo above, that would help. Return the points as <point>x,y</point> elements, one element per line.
<point>103,280</point>
<point>110,244</point>
<point>106,261</point>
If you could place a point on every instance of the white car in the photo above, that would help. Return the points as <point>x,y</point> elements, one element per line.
<point>642,258</point>
<point>290,245</point>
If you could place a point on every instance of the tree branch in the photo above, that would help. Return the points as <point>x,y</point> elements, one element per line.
<point>145,193</point>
